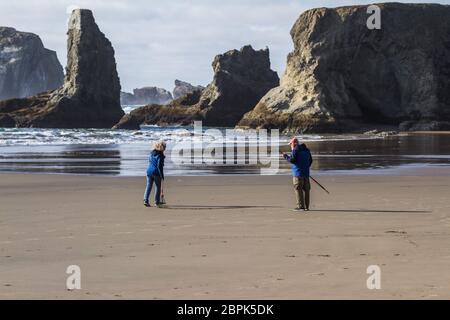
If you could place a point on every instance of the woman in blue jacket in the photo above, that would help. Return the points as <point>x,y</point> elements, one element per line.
<point>155,173</point>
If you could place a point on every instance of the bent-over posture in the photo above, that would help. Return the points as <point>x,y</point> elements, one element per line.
<point>155,173</point>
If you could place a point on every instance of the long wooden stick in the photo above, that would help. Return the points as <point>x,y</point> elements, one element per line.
<point>319,185</point>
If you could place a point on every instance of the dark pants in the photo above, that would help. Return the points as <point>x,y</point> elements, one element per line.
<point>148,189</point>
<point>302,188</point>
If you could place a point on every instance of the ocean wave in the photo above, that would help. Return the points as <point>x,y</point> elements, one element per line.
<point>128,108</point>
<point>148,134</point>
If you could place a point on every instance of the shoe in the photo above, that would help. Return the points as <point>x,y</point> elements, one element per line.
<point>306,209</point>
<point>147,204</point>
<point>159,205</point>
<point>299,209</point>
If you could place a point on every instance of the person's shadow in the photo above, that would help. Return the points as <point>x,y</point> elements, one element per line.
<point>202,207</point>
<point>369,211</point>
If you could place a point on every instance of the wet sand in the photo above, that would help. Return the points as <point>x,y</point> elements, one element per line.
<point>224,237</point>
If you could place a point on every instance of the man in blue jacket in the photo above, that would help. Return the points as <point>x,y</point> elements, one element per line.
<point>301,161</point>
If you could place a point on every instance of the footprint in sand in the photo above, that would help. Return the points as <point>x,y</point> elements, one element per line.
<point>319,255</point>
<point>396,232</point>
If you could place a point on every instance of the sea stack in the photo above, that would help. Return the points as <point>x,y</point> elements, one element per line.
<point>146,95</point>
<point>342,75</point>
<point>26,66</point>
<point>183,88</point>
<point>241,78</point>
<point>90,96</point>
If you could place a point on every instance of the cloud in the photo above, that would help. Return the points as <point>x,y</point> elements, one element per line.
<point>159,41</point>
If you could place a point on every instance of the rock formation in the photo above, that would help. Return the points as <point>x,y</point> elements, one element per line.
<point>147,95</point>
<point>90,96</point>
<point>26,67</point>
<point>181,111</point>
<point>6,121</point>
<point>341,75</point>
<point>183,88</point>
<point>241,78</point>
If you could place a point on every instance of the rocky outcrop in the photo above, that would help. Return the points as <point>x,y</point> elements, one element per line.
<point>183,88</point>
<point>241,78</point>
<point>26,67</point>
<point>341,75</point>
<point>181,111</point>
<point>90,96</point>
<point>6,121</point>
<point>147,95</point>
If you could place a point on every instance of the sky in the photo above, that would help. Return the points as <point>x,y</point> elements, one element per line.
<point>158,41</point>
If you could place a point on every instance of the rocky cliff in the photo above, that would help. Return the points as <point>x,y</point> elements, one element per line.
<point>241,78</point>
<point>90,96</point>
<point>147,95</point>
<point>341,75</point>
<point>26,67</point>
<point>183,88</point>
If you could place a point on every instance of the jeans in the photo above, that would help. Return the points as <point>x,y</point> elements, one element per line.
<point>302,188</point>
<point>148,189</point>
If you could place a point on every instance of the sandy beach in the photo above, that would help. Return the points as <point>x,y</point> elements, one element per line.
<point>224,237</point>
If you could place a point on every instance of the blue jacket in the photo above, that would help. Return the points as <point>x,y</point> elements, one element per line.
<point>156,164</point>
<point>301,160</point>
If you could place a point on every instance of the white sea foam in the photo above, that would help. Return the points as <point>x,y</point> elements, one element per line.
<point>148,134</point>
<point>128,108</point>
<point>124,152</point>
<point>10,49</point>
